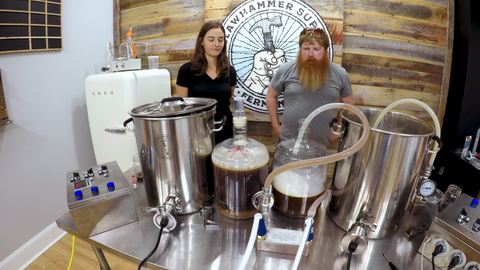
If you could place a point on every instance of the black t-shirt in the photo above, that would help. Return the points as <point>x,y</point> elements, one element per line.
<point>219,89</point>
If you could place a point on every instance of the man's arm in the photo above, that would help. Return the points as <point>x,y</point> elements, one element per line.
<point>272,108</point>
<point>347,100</point>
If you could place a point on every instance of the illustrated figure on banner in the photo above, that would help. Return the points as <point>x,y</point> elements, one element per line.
<point>267,61</point>
<point>262,36</point>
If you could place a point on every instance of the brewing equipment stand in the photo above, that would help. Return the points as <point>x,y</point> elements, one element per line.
<point>198,247</point>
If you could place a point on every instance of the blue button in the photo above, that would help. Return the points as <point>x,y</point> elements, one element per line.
<point>95,191</point>
<point>474,203</point>
<point>111,186</point>
<point>78,195</point>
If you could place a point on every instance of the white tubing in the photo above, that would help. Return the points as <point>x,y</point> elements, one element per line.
<point>419,103</point>
<point>303,242</point>
<point>423,251</point>
<point>251,241</point>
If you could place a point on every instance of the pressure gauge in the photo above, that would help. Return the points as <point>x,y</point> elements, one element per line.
<point>427,188</point>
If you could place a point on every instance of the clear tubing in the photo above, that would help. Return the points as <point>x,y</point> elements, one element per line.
<point>382,114</point>
<point>313,208</point>
<point>251,241</point>
<point>326,159</point>
<point>303,242</point>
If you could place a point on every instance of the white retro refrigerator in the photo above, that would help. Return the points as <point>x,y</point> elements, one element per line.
<point>109,98</point>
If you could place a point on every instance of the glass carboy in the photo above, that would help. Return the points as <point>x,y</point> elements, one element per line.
<point>240,167</point>
<point>296,190</point>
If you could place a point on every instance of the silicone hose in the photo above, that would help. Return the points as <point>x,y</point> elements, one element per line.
<point>326,159</point>
<point>251,241</point>
<point>382,114</point>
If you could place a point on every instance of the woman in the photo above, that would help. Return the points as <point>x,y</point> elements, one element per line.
<point>210,75</point>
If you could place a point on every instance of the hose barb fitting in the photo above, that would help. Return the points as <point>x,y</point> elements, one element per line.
<point>428,171</point>
<point>357,234</point>
<point>263,201</point>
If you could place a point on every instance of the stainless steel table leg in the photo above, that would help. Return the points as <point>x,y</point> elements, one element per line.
<point>101,258</point>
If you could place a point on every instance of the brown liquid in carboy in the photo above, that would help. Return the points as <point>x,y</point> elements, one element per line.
<point>234,190</point>
<point>295,207</point>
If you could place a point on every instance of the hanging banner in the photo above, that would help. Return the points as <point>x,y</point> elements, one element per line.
<point>261,36</point>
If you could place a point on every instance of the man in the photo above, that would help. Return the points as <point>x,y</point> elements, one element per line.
<point>308,83</point>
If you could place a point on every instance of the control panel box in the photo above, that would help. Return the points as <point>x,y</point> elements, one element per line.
<point>100,199</point>
<point>457,227</point>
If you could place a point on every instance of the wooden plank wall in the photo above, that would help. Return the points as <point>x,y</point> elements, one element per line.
<point>392,49</point>
<point>399,49</point>
<point>171,27</point>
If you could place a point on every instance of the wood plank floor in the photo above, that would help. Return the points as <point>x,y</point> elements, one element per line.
<point>57,257</point>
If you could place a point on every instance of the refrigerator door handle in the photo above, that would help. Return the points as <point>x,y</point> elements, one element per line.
<point>115,130</point>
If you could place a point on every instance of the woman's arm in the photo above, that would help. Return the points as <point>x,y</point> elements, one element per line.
<point>182,91</point>
<point>231,96</point>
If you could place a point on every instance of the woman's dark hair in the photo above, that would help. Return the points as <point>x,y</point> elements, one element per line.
<point>199,62</point>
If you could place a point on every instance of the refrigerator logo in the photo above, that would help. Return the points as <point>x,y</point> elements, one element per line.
<point>262,35</point>
<point>105,93</point>
<point>163,146</point>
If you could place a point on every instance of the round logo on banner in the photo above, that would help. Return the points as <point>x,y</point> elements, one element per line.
<point>261,36</point>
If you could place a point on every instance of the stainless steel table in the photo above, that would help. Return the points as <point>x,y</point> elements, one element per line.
<point>190,247</point>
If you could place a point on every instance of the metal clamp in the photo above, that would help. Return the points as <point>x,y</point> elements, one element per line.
<point>174,201</point>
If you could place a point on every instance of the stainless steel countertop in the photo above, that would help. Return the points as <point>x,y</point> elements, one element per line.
<point>201,248</point>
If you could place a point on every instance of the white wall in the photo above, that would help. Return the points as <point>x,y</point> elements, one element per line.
<point>49,135</point>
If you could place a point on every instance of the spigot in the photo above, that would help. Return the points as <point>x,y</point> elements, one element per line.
<point>263,201</point>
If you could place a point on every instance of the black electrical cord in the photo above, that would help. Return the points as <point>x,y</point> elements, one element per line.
<point>163,224</point>
<point>439,248</point>
<point>352,247</point>
<point>454,262</point>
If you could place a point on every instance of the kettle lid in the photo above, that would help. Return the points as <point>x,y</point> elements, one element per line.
<point>173,106</point>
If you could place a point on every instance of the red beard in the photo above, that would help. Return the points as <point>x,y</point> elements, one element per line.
<point>313,73</point>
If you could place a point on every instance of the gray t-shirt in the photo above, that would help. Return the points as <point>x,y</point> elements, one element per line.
<point>299,103</point>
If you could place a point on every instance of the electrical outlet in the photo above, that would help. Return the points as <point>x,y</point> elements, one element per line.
<point>472,266</point>
<point>440,241</point>
<point>457,252</point>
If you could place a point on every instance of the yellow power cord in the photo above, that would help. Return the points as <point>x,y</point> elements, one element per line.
<point>73,250</point>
